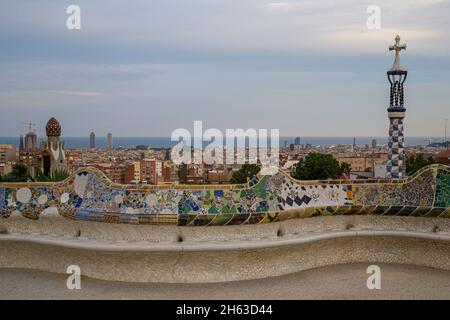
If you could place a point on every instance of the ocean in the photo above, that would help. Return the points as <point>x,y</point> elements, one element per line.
<point>165,142</point>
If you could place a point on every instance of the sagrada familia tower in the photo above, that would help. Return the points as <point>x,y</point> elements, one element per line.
<point>396,154</point>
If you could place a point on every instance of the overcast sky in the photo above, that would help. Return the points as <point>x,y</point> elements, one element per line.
<point>147,67</point>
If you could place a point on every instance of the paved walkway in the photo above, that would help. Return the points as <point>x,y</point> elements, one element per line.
<point>333,282</point>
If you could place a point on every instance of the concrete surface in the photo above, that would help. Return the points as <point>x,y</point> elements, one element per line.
<point>56,226</point>
<point>331,282</point>
<point>227,253</point>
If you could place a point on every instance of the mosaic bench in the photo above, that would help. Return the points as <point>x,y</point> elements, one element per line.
<point>89,195</point>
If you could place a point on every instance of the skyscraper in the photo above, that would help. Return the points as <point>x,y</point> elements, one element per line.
<point>396,154</point>
<point>297,141</point>
<point>92,140</point>
<point>21,144</point>
<point>374,143</point>
<point>110,142</point>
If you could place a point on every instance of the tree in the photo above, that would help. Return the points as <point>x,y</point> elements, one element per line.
<point>317,166</point>
<point>18,174</point>
<point>57,175</point>
<point>346,168</point>
<point>417,161</point>
<point>246,171</point>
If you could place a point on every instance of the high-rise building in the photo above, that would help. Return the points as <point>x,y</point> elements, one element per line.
<point>92,140</point>
<point>110,141</point>
<point>297,141</point>
<point>396,154</point>
<point>374,143</point>
<point>21,144</point>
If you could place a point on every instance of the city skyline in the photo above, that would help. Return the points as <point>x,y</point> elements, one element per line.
<point>165,64</point>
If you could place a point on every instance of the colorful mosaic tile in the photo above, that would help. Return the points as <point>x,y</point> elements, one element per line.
<point>442,189</point>
<point>89,195</point>
<point>2,198</point>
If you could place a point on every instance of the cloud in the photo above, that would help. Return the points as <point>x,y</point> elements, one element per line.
<point>174,30</point>
<point>150,66</point>
<point>80,93</point>
<point>289,6</point>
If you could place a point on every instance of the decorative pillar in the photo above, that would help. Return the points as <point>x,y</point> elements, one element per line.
<point>396,167</point>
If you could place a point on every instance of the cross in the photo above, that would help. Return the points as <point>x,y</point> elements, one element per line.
<point>397,47</point>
